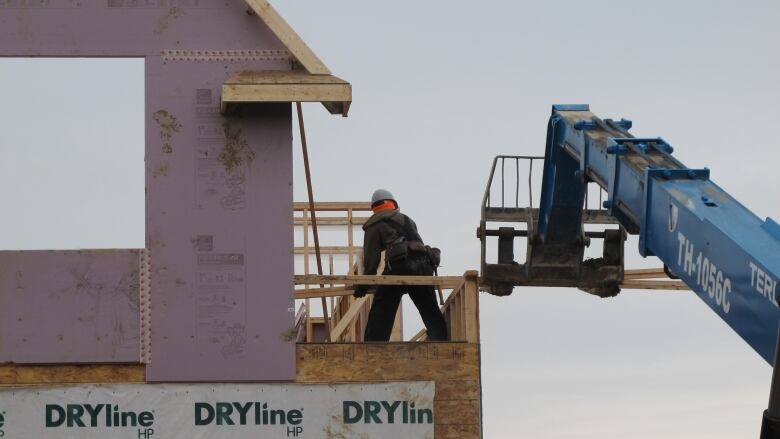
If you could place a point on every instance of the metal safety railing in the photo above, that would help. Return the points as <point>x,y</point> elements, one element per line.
<point>487,199</point>
<point>510,211</point>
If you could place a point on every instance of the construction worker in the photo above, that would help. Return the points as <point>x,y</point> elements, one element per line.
<point>391,231</point>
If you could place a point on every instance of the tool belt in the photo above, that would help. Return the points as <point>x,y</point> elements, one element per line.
<point>410,257</point>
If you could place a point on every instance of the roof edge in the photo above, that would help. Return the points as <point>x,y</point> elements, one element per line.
<point>295,45</point>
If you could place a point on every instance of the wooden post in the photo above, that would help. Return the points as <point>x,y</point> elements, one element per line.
<point>350,239</point>
<point>330,270</point>
<point>471,306</point>
<point>309,325</point>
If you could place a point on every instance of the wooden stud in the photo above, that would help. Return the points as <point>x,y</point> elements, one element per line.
<point>347,318</point>
<point>330,270</point>
<point>350,238</point>
<point>397,333</point>
<point>309,327</point>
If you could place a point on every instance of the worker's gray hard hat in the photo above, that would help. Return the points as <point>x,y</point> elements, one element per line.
<point>381,195</point>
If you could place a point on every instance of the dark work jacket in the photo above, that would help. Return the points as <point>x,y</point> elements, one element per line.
<point>379,234</point>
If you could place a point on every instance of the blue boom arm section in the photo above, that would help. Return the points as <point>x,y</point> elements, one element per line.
<point>719,248</point>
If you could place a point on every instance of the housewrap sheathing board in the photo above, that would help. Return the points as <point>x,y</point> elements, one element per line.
<point>226,411</point>
<point>218,193</point>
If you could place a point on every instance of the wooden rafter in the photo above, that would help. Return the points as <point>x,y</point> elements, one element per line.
<point>291,40</point>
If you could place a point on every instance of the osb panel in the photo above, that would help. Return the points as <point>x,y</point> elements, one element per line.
<point>442,431</point>
<point>12,375</point>
<point>456,412</point>
<point>458,389</point>
<point>69,306</point>
<point>350,362</point>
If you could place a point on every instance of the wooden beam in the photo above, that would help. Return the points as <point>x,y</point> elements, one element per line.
<point>447,282</point>
<point>258,86</point>
<point>471,306</point>
<point>333,206</point>
<point>16,375</point>
<point>282,77</point>
<point>288,37</point>
<point>453,294</point>
<point>421,335</point>
<point>236,94</point>
<point>347,318</point>
<point>654,285</point>
<point>314,293</point>
<point>329,250</point>
<point>335,221</point>
<point>645,273</point>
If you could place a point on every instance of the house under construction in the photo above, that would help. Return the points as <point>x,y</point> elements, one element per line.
<point>212,297</point>
<point>233,320</point>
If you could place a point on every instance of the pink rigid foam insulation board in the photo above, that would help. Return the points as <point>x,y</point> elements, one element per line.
<point>70,306</point>
<point>219,189</point>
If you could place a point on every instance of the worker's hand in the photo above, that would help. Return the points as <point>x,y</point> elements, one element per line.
<point>360,290</point>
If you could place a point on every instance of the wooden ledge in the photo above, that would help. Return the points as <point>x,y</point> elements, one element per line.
<point>264,86</point>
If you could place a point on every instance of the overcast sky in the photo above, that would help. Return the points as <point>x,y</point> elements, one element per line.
<point>440,87</point>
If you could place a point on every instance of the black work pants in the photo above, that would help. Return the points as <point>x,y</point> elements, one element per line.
<point>385,306</point>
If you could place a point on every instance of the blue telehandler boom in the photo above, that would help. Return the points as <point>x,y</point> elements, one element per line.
<point>726,254</point>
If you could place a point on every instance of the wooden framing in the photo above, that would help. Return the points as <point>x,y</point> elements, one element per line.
<point>650,279</point>
<point>312,84</point>
<point>461,309</point>
<point>288,37</point>
<point>348,314</point>
<point>287,86</point>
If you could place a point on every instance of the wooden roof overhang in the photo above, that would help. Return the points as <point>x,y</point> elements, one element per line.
<point>313,82</point>
<point>287,86</point>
